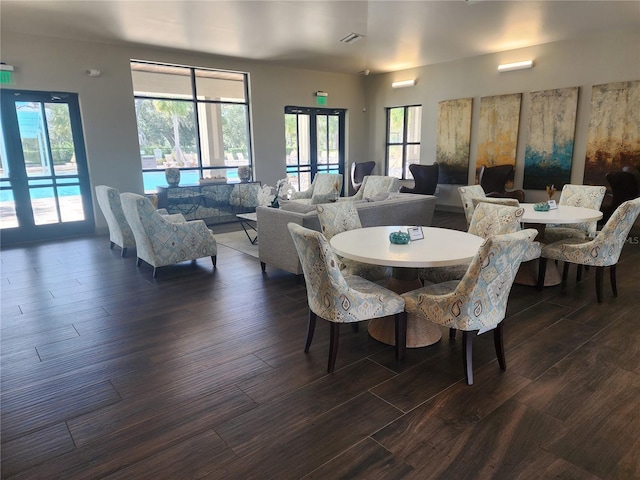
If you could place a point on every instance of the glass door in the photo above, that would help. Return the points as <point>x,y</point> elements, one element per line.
<point>44,182</point>
<point>314,143</point>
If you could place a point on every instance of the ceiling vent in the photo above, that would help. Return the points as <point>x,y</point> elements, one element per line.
<point>351,38</point>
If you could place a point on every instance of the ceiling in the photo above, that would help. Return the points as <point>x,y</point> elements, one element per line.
<point>306,34</point>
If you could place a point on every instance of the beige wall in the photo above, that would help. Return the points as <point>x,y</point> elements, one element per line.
<point>107,107</point>
<point>591,61</point>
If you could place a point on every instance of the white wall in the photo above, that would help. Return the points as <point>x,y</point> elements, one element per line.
<point>107,107</point>
<point>592,61</point>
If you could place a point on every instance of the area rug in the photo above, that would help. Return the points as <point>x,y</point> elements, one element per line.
<point>238,241</point>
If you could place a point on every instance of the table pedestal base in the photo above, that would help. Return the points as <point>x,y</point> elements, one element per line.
<point>420,331</point>
<point>528,274</point>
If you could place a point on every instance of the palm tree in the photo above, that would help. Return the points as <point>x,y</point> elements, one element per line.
<point>178,112</point>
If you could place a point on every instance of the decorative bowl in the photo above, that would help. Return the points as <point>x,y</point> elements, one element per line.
<point>399,238</point>
<point>541,207</point>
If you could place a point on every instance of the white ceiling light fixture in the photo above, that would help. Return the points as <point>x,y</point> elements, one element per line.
<point>509,67</point>
<point>403,84</point>
<point>352,38</point>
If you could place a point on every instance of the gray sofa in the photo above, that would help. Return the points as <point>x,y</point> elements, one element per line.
<point>276,247</point>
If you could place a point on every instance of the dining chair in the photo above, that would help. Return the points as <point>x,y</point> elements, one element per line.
<point>477,302</point>
<point>425,179</point>
<point>161,242</point>
<point>339,298</point>
<point>488,219</point>
<point>601,251</point>
<point>586,196</point>
<point>337,218</point>
<point>471,195</point>
<point>625,185</point>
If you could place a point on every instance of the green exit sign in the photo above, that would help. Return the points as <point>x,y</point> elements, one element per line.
<point>321,101</point>
<point>5,77</point>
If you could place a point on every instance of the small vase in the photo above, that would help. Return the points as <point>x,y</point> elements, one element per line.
<point>173,176</point>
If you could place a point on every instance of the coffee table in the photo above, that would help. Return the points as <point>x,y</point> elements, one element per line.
<point>439,247</point>
<point>249,223</point>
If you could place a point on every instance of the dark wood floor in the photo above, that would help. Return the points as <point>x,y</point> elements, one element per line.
<point>107,373</point>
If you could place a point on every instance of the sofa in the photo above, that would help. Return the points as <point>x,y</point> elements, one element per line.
<point>275,245</point>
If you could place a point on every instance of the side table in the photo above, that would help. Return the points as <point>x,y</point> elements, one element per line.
<point>249,222</point>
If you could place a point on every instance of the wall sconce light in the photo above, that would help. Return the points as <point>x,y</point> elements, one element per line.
<point>508,67</point>
<point>93,72</point>
<point>404,83</point>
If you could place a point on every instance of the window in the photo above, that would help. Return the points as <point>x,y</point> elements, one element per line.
<point>403,139</point>
<point>191,118</point>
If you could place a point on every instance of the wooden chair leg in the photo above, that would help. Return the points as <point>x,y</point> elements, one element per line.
<point>355,326</point>
<point>401,334</point>
<point>499,343</point>
<point>214,259</point>
<point>542,271</point>
<point>263,266</point>
<point>311,328</point>
<point>333,346</point>
<point>579,273</point>
<point>452,334</point>
<point>467,355</point>
<point>612,277</point>
<point>124,252</point>
<point>599,282</point>
<point>565,272</point>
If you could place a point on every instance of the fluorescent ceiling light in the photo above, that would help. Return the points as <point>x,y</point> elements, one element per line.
<point>508,67</point>
<point>404,83</point>
<point>351,38</point>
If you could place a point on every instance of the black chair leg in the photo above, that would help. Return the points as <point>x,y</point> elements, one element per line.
<point>214,260</point>
<point>467,355</point>
<point>565,272</point>
<point>401,334</point>
<point>124,252</point>
<point>155,272</point>
<point>311,328</point>
<point>355,327</point>
<point>499,343</point>
<point>111,245</point>
<point>452,334</point>
<point>542,271</point>
<point>138,262</point>
<point>579,273</point>
<point>333,346</point>
<point>599,282</point>
<point>263,266</point>
<point>612,277</point>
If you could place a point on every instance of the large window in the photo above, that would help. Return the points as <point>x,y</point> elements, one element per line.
<point>403,139</point>
<point>191,118</point>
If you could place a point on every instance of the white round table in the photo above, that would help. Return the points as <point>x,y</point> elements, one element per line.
<point>564,214</point>
<point>439,247</point>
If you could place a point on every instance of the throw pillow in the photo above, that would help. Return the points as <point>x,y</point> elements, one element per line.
<point>378,197</point>
<point>323,198</point>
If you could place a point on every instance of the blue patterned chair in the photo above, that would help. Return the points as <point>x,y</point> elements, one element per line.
<point>159,242</point>
<point>322,188</point>
<point>339,217</point>
<point>602,251</point>
<point>342,299</point>
<point>471,195</point>
<point>586,196</point>
<point>478,302</point>
<point>488,219</point>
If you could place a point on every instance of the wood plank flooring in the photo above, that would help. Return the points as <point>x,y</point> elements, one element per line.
<point>108,373</point>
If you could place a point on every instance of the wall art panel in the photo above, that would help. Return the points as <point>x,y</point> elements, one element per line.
<point>549,151</point>
<point>613,138</point>
<point>454,139</point>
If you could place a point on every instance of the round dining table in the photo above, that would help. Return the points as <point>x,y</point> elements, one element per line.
<point>439,247</point>
<point>563,214</point>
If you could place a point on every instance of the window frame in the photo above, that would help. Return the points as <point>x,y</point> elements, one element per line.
<point>404,143</point>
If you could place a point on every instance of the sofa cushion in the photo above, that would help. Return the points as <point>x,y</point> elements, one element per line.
<point>317,199</point>
<point>378,197</point>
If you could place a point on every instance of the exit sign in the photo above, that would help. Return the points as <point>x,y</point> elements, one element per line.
<point>5,77</point>
<point>321,101</point>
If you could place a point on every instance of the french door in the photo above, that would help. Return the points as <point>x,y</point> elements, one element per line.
<point>314,143</point>
<point>44,183</point>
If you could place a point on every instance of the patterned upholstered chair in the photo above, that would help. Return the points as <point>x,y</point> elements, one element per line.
<point>342,299</point>
<point>488,219</point>
<point>159,242</point>
<point>120,233</point>
<point>472,194</point>
<point>323,186</point>
<point>602,251</point>
<point>577,196</point>
<point>342,216</point>
<point>478,302</point>
<point>375,186</point>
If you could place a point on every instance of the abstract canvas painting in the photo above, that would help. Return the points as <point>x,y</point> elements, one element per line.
<point>498,131</point>
<point>549,151</point>
<point>613,138</point>
<point>454,139</point>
